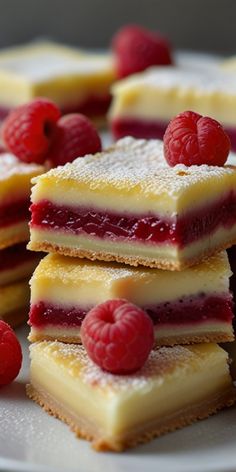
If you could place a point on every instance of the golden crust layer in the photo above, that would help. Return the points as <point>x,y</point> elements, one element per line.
<point>183,418</point>
<point>219,337</point>
<point>164,264</point>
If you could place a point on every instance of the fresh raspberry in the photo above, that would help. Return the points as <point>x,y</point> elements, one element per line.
<point>29,129</point>
<point>135,49</point>
<point>75,137</point>
<point>193,139</point>
<point>118,336</point>
<point>10,354</point>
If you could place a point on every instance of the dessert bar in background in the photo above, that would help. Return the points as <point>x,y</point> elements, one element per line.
<point>193,305</point>
<point>177,386</point>
<point>75,80</point>
<point>144,103</point>
<point>135,209</point>
<point>14,302</point>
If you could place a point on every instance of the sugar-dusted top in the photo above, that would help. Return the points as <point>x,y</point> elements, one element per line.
<point>11,166</point>
<point>41,61</point>
<point>202,80</point>
<point>139,166</point>
<point>174,361</point>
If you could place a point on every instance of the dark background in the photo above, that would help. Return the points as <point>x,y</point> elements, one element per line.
<point>208,25</point>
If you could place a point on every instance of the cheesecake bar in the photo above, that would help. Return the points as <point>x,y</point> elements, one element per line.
<point>14,302</point>
<point>15,185</point>
<point>193,305</point>
<point>177,386</point>
<point>144,104</point>
<point>75,80</point>
<point>16,263</point>
<point>127,205</point>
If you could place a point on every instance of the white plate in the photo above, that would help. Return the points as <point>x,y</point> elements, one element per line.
<point>31,440</point>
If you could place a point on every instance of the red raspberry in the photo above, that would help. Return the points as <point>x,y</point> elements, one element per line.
<point>137,48</point>
<point>29,129</point>
<point>10,354</point>
<point>192,139</point>
<point>75,136</point>
<point>118,336</point>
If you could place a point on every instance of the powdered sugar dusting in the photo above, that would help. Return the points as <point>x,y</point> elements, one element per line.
<point>73,358</point>
<point>10,165</point>
<point>139,164</point>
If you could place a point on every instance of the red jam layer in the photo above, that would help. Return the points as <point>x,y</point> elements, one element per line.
<point>155,129</point>
<point>127,227</point>
<point>184,311</point>
<point>14,212</point>
<point>13,256</point>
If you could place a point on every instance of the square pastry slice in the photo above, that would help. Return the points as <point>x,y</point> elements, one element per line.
<point>193,305</point>
<point>14,302</point>
<point>177,386</point>
<point>144,103</point>
<point>127,205</point>
<point>15,185</point>
<point>75,80</point>
<point>16,263</point>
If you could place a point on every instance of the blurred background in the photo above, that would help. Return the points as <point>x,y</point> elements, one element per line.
<point>204,25</point>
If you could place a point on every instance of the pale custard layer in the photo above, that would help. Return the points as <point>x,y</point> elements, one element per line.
<point>138,181</point>
<point>161,93</point>
<point>66,75</point>
<point>115,407</point>
<point>71,282</point>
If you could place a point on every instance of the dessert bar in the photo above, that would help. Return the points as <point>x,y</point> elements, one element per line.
<point>15,185</point>
<point>75,80</point>
<point>144,104</point>
<point>127,205</point>
<point>14,302</point>
<point>177,386</point>
<point>193,305</point>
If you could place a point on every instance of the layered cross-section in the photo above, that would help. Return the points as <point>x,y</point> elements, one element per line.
<point>15,185</point>
<point>144,104</point>
<point>193,305</point>
<point>127,205</point>
<point>175,387</point>
<point>76,81</point>
<point>16,263</point>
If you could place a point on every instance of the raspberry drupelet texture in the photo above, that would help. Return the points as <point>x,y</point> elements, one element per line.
<point>75,136</point>
<point>192,139</point>
<point>118,336</point>
<point>136,48</point>
<point>10,354</point>
<point>29,129</point>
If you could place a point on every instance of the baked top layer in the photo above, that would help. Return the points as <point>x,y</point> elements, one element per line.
<point>161,364</point>
<point>44,60</point>
<point>134,172</point>
<point>11,166</point>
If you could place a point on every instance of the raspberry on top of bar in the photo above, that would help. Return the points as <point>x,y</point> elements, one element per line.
<point>126,204</point>
<point>198,308</point>
<point>74,79</point>
<point>15,185</point>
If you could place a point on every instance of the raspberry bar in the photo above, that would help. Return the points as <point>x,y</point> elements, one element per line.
<point>193,305</point>
<point>175,387</point>
<point>144,104</point>
<point>15,185</point>
<point>16,263</point>
<point>76,81</point>
<point>127,205</point>
<point>14,302</point>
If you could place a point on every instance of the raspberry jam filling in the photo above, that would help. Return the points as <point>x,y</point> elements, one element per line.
<point>126,227</point>
<point>14,212</point>
<point>184,311</point>
<point>151,129</point>
<point>92,106</point>
<point>13,256</point>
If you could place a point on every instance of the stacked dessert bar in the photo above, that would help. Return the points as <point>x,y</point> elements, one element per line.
<point>123,224</point>
<point>16,262</point>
